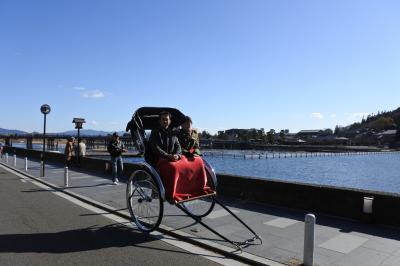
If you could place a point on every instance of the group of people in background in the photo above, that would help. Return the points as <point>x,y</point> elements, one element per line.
<point>72,148</point>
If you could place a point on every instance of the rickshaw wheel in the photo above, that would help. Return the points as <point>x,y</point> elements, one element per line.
<point>200,207</point>
<point>203,206</point>
<point>144,200</point>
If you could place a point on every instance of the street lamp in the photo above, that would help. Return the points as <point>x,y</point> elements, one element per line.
<point>78,125</point>
<point>45,109</point>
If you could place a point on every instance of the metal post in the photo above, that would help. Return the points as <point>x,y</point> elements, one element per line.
<point>15,160</point>
<point>6,158</point>
<point>26,164</point>
<point>44,145</point>
<point>309,237</point>
<point>66,177</point>
<point>41,168</point>
<point>77,156</point>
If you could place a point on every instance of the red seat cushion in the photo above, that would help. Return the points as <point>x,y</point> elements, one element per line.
<point>183,179</point>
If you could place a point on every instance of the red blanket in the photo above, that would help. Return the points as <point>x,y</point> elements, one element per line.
<point>183,179</point>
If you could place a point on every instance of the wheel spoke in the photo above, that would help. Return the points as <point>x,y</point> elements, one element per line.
<point>146,213</point>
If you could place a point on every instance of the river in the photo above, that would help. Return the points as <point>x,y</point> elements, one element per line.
<point>371,171</point>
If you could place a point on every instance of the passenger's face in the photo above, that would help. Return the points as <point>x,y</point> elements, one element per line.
<point>165,121</point>
<point>187,126</point>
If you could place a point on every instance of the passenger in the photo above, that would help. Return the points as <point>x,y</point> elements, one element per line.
<point>164,144</point>
<point>189,139</point>
<point>68,151</point>
<point>182,178</point>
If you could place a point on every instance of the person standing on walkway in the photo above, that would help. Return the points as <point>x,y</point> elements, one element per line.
<point>82,147</point>
<point>68,151</point>
<point>116,148</point>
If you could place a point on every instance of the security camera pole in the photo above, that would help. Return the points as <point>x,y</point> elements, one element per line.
<point>45,109</point>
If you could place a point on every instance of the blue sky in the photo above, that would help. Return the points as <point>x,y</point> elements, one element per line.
<point>228,64</point>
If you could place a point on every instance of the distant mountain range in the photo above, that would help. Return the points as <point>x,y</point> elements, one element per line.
<point>4,131</point>
<point>83,132</point>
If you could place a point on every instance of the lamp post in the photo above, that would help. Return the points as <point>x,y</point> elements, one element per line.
<point>45,109</point>
<point>78,125</point>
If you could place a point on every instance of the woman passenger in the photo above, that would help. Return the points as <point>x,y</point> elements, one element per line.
<point>189,139</point>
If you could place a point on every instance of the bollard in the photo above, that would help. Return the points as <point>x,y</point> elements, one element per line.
<point>309,237</point>
<point>26,164</point>
<point>6,158</point>
<point>15,160</point>
<point>66,177</point>
<point>41,168</point>
<point>368,203</point>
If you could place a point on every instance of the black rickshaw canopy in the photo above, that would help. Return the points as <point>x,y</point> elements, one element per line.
<point>146,118</point>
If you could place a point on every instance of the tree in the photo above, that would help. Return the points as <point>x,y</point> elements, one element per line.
<point>382,123</point>
<point>271,136</point>
<point>205,135</point>
<point>337,130</point>
<point>282,135</point>
<point>328,131</point>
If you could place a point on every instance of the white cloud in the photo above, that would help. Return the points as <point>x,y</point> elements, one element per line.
<point>356,116</point>
<point>93,94</point>
<point>94,123</point>
<point>317,115</point>
<point>359,115</point>
<point>333,115</point>
<point>353,117</point>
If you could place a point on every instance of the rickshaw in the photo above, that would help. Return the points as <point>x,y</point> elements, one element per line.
<point>145,192</point>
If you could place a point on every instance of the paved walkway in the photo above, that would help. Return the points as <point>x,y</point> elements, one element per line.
<point>337,241</point>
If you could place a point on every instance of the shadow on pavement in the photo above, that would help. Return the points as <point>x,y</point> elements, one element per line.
<point>78,240</point>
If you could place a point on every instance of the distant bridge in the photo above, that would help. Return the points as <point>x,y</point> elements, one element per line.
<point>53,140</point>
<point>100,142</point>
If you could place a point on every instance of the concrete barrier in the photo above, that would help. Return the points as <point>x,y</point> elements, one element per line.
<point>318,199</point>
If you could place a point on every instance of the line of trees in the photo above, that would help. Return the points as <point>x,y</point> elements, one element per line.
<point>255,135</point>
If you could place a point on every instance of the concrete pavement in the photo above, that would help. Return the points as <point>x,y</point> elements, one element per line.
<point>44,229</point>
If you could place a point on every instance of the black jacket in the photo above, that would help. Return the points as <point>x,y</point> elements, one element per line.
<point>115,148</point>
<point>164,142</point>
